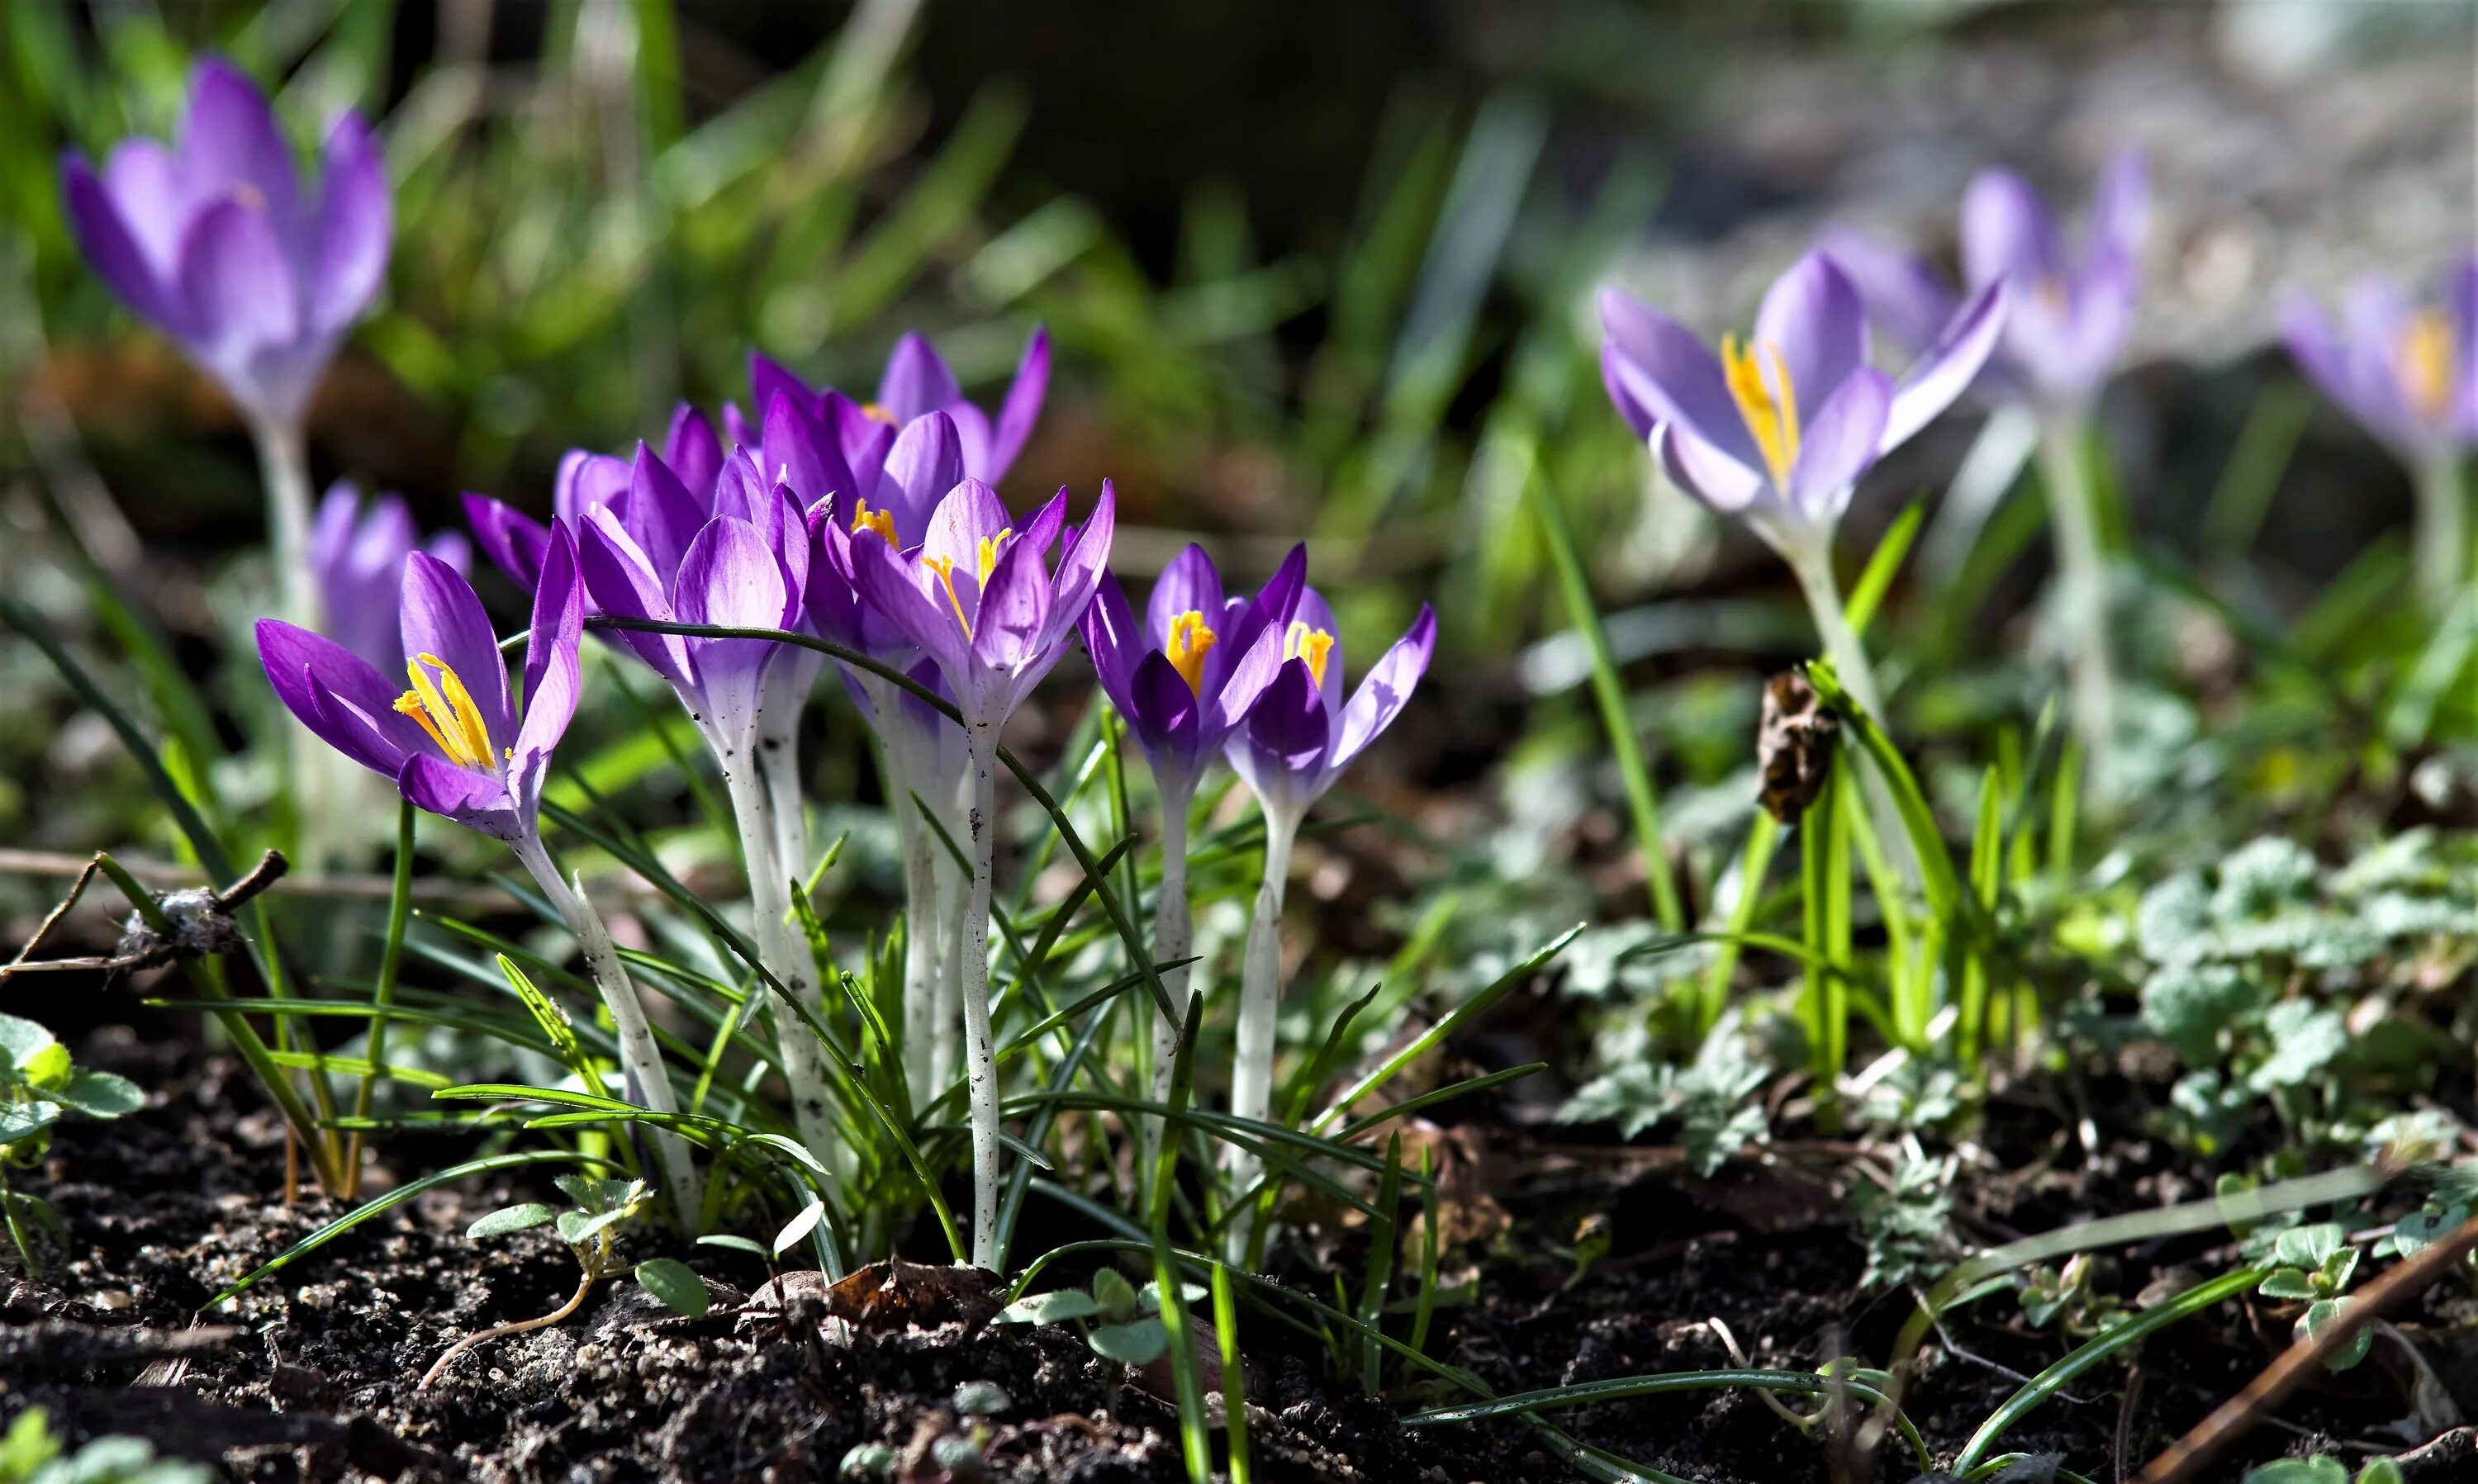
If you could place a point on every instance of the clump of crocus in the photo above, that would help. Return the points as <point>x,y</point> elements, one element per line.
<point>1186,680</point>
<point>1299,736</point>
<point>2409,374</point>
<point>1778,429</point>
<point>254,272</point>
<point>2067,316</point>
<point>357,555</point>
<point>459,744</point>
<point>977,596</point>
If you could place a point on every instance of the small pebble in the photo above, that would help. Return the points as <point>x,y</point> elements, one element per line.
<point>982,1398</point>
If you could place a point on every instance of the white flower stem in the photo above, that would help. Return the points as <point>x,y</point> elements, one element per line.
<point>1260,991</point>
<point>284,463</point>
<point>2082,579</point>
<point>954,907</point>
<point>1811,562</point>
<point>922,941</point>
<point>317,780</point>
<point>640,1057</point>
<point>779,770</point>
<point>785,955</point>
<point>2443,549</point>
<point>1174,932</point>
<point>980,1069</point>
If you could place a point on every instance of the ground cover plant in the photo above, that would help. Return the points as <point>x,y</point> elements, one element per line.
<point>1197,908</point>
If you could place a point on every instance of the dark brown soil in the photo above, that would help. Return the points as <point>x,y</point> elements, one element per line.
<point>314,1374</point>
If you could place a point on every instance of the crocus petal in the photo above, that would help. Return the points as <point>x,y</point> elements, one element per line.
<point>1164,712</point>
<point>1008,628</point>
<point>303,668</point>
<point>1387,687</point>
<point>889,584</point>
<point>110,244</point>
<point>663,514</point>
<point>237,284</point>
<point>2006,232</point>
<point>356,227</point>
<point>798,451</point>
<point>690,449</point>
<point>917,380</point>
<point>1189,583</point>
<point>1841,445</point>
<point>768,379</point>
<point>1080,569</point>
<point>1113,641</point>
<point>1902,292</point>
<point>969,515</point>
<point>1314,614</point>
<point>586,480</point>
<point>1291,725</point>
<point>1244,685</point>
<point>154,197</point>
<point>1040,529</point>
<point>729,577</point>
<point>622,584</point>
<point>1946,368</point>
<point>229,139</point>
<point>2462,295</point>
<point>1813,320</point>
<point>473,799</point>
<point>514,541</point>
<point>453,549</point>
<point>1665,369</point>
<point>741,492</point>
<point>1022,407</point>
<point>1615,378</point>
<point>2120,208</point>
<point>862,433</point>
<point>1705,474</point>
<point>331,530</point>
<point>443,617</point>
<point>551,672</point>
<point>925,462</point>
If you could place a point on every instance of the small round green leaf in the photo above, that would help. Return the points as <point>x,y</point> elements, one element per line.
<point>510,1218</point>
<point>1137,1343</point>
<point>102,1095</point>
<point>1067,1303</point>
<point>670,1280</point>
<point>736,1242</point>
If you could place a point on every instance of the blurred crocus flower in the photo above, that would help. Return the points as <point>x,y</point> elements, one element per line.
<point>1189,676</point>
<point>453,738</point>
<point>2068,312</point>
<point>255,272</point>
<point>916,383</point>
<point>1780,428</point>
<point>2408,372</point>
<point>356,556</point>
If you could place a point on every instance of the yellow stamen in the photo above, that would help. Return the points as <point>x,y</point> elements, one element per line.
<point>1190,642</point>
<point>875,412</point>
<point>2425,354</point>
<point>451,719</point>
<point>945,568</point>
<point>1314,646</point>
<point>883,522</point>
<point>1770,406</point>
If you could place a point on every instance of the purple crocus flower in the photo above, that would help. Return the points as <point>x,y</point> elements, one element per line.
<point>1187,679</point>
<point>2407,373</point>
<point>1781,428</point>
<point>357,557</point>
<point>456,742</point>
<point>2409,376</point>
<point>1302,734</point>
<point>978,597</point>
<point>2068,312</point>
<point>255,273</point>
<point>916,383</point>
